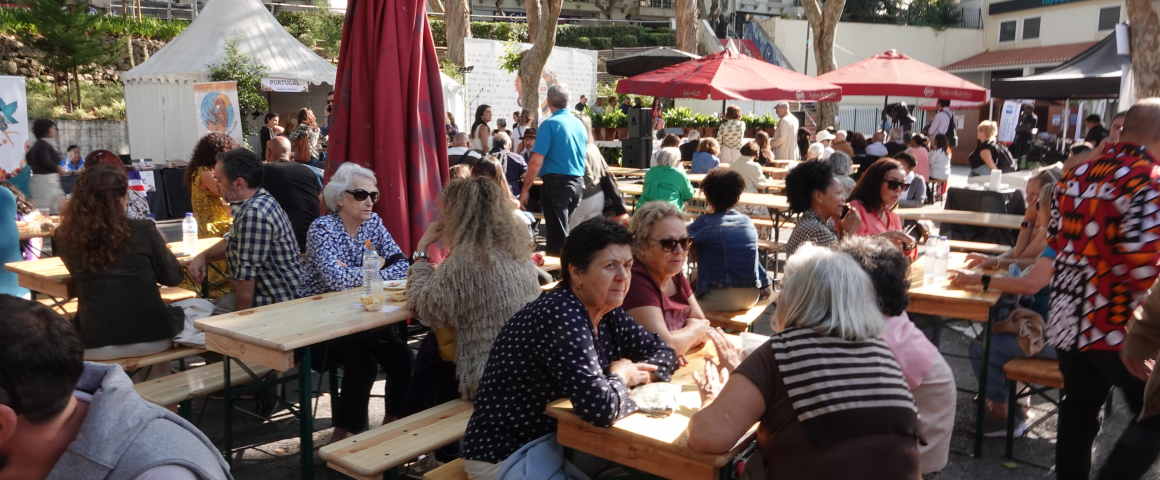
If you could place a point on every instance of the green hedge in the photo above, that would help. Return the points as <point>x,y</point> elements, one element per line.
<point>584,42</point>
<point>576,36</point>
<point>601,43</point>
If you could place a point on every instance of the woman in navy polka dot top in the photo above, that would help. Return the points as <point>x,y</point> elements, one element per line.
<point>553,349</point>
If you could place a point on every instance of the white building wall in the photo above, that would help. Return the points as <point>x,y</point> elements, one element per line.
<point>1059,24</point>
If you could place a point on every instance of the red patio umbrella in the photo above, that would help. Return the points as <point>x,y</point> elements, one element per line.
<point>895,74</point>
<point>728,75</point>
<point>388,111</point>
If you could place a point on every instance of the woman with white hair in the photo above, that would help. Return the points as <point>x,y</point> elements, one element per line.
<point>667,181</point>
<point>335,245</point>
<point>828,325</point>
<point>815,151</point>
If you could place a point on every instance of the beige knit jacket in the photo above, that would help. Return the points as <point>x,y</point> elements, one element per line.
<point>475,293</point>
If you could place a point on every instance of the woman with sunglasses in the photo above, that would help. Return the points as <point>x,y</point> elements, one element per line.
<point>874,198</point>
<point>335,245</point>
<point>659,296</point>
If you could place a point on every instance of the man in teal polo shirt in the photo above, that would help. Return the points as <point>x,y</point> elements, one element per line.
<point>558,158</point>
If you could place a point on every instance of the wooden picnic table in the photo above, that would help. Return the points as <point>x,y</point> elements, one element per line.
<point>627,172</point>
<point>49,276</point>
<point>961,217</point>
<point>655,445</point>
<point>773,202</point>
<point>776,173</point>
<point>270,334</point>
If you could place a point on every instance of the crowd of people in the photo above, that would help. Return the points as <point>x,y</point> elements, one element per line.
<point>628,309</point>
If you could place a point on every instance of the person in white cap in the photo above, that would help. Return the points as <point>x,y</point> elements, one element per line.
<point>784,139</point>
<point>825,138</point>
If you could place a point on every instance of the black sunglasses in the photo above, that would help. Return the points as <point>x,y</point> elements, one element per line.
<point>360,195</point>
<point>893,185</point>
<point>670,244</point>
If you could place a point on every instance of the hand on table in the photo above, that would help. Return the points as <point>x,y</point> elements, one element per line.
<point>982,261</point>
<point>633,373</point>
<point>1139,369</point>
<point>964,279</point>
<point>711,383</point>
<point>726,353</point>
<point>196,268</point>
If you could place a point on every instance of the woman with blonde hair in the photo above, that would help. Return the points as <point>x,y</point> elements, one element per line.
<point>485,279</point>
<point>986,155</point>
<point>731,134</point>
<point>308,126</point>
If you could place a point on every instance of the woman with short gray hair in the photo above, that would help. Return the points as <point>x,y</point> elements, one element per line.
<point>335,245</point>
<point>667,181</point>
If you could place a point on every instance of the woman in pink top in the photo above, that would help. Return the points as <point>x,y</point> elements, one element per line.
<point>874,198</point>
<point>921,155</point>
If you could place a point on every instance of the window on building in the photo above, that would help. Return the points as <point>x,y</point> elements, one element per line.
<point>1030,28</point>
<point>1007,31</point>
<point>1109,17</point>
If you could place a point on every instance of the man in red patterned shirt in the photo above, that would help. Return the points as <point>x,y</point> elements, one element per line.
<point>1105,228</point>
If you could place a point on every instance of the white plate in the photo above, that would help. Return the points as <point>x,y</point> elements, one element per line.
<point>395,284</point>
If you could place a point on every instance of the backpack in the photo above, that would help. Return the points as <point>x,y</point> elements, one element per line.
<point>1004,160</point>
<point>952,131</point>
<point>302,149</point>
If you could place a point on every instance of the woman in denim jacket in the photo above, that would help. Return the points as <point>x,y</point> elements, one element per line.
<point>729,275</point>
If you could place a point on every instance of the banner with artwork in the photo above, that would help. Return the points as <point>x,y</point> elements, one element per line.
<point>216,105</point>
<point>13,123</point>
<point>487,84</point>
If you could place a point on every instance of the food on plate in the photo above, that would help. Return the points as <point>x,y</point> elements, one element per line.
<point>395,284</point>
<point>373,303</point>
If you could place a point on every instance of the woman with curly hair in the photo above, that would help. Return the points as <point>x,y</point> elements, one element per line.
<point>487,278</point>
<point>116,264</point>
<point>138,205</point>
<point>213,218</point>
<point>815,192</point>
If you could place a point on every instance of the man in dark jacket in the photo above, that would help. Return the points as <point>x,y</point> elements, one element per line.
<point>690,146</point>
<point>1096,132</point>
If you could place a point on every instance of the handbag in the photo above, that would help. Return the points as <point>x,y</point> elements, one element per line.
<point>302,149</point>
<point>613,199</point>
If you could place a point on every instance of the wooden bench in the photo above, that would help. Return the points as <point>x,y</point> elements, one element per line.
<point>452,470</point>
<point>1032,371</point>
<point>989,248</point>
<point>176,388</point>
<point>175,353</point>
<point>737,321</point>
<point>370,454</point>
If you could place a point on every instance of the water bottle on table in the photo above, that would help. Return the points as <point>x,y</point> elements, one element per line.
<point>372,282</point>
<point>189,235</point>
<point>932,247</point>
<point>940,265</point>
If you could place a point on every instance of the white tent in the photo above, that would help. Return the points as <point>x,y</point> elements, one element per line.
<point>454,99</point>
<point>159,92</point>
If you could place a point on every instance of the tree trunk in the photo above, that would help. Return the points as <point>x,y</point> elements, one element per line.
<point>68,91</point>
<point>824,22</point>
<point>499,8</point>
<point>56,86</point>
<point>125,8</point>
<point>78,81</point>
<point>137,8</point>
<point>533,11</point>
<point>436,6</point>
<point>687,26</point>
<point>1144,16</point>
<point>606,9</point>
<point>458,22</point>
<point>532,66</point>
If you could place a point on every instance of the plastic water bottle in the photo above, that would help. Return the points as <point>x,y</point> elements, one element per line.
<point>932,247</point>
<point>940,266</point>
<point>189,235</point>
<point>372,282</point>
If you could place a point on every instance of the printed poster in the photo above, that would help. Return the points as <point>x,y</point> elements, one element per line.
<point>14,133</point>
<point>1007,121</point>
<point>216,105</point>
<point>487,84</point>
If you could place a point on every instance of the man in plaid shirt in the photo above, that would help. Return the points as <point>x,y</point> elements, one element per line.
<point>260,247</point>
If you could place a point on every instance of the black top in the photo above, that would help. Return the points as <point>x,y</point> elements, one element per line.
<point>1096,134</point>
<point>121,305</point>
<point>977,160</point>
<point>687,151</point>
<point>548,351</point>
<point>894,147</point>
<point>296,188</point>
<point>42,157</point>
<point>264,137</point>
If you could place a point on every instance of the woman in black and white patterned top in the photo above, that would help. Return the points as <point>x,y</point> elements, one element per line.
<point>573,342</point>
<point>815,192</point>
<point>731,134</point>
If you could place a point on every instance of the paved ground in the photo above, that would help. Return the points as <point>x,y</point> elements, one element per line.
<point>272,453</point>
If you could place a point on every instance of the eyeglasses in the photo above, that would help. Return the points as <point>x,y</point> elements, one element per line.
<point>893,185</point>
<point>10,388</point>
<point>670,244</point>
<point>360,195</point>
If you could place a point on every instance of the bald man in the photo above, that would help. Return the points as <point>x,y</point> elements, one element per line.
<point>296,187</point>
<point>1105,234</point>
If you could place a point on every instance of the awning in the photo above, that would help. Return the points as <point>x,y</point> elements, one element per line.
<point>896,75</point>
<point>955,105</point>
<point>1021,56</point>
<point>1093,73</point>
<point>727,75</point>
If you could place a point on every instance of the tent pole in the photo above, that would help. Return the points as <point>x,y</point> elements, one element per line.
<point>885,103</point>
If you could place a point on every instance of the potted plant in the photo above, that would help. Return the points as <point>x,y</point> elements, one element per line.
<point>597,125</point>
<point>617,120</point>
<point>752,124</point>
<point>769,123</point>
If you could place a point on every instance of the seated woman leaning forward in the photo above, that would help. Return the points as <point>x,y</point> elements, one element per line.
<point>573,342</point>
<point>660,298</point>
<point>827,327</point>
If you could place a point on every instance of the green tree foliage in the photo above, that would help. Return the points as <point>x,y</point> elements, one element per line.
<point>874,11</point>
<point>247,72</point>
<point>937,14</point>
<point>70,39</point>
<point>13,23</point>
<point>602,37</point>
<point>319,29</point>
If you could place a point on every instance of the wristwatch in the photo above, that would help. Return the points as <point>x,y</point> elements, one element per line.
<point>415,257</point>
<point>1024,224</point>
<point>986,282</point>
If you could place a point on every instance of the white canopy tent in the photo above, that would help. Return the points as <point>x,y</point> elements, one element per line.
<point>159,93</point>
<point>454,99</point>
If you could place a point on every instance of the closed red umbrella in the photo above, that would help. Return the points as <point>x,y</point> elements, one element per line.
<point>388,111</point>
<point>895,74</point>
<point>728,75</point>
